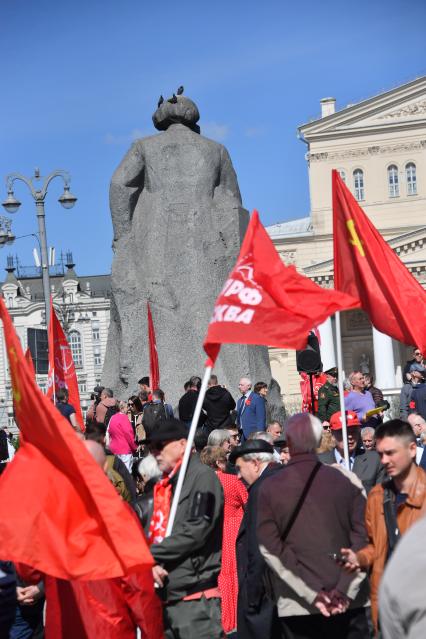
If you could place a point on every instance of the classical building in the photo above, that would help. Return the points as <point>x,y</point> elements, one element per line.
<point>379,148</point>
<point>82,305</point>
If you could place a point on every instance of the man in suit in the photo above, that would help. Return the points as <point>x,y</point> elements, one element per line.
<point>251,409</point>
<point>256,614</point>
<point>366,465</point>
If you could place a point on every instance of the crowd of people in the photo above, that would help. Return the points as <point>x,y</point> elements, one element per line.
<point>277,534</point>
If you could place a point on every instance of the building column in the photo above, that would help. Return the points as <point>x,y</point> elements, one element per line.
<point>384,363</point>
<point>328,355</point>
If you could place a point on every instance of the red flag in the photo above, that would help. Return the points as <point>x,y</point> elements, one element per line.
<point>266,302</point>
<point>61,366</point>
<point>154,370</point>
<point>367,268</point>
<point>29,359</point>
<point>64,516</point>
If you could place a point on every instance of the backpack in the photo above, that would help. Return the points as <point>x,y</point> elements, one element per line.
<point>111,410</point>
<point>152,415</point>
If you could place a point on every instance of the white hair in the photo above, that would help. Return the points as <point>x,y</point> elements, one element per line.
<point>261,457</point>
<point>261,434</point>
<point>247,381</point>
<point>368,430</point>
<point>218,436</point>
<point>304,432</point>
<point>148,468</point>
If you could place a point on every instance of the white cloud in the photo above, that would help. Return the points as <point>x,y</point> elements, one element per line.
<point>126,138</point>
<point>215,130</point>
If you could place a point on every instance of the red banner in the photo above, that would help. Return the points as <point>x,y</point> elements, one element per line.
<point>61,366</point>
<point>64,516</point>
<point>266,302</point>
<point>154,369</point>
<point>367,268</point>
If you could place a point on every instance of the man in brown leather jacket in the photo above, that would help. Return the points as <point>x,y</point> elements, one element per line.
<point>402,497</point>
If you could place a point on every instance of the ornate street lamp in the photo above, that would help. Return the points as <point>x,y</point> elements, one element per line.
<point>11,204</point>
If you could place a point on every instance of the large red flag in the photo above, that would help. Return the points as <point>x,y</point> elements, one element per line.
<point>266,302</point>
<point>61,366</point>
<point>62,515</point>
<point>154,370</point>
<point>367,268</point>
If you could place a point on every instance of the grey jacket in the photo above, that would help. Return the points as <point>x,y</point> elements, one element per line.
<point>405,399</point>
<point>331,518</point>
<point>192,554</point>
<point>367,467</point>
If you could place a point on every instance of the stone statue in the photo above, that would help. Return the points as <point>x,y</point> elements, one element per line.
<point>178,225</point>
<point>364,364</point>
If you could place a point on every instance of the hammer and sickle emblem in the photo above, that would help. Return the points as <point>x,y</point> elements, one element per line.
<point>13,360</point>
<point>354,239</point>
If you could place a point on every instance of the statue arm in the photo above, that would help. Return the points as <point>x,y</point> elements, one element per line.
<point>126,186</point>
<point>227,183</point>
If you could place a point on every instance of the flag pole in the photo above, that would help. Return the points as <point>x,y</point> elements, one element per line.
<point>188,449</point>
<point>341,391</point>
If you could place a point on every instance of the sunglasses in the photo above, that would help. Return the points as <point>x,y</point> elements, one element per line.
<point>417,354</point>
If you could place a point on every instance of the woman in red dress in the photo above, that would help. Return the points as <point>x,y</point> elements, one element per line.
<point>235,498</point>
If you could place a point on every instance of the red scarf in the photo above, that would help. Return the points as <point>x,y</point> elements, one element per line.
<point>161,510</point>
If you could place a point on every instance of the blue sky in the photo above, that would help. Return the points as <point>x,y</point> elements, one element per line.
<point>81,79</point>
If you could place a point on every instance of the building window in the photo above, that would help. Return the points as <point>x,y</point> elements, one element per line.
<point>74,339</point>
<point>359,184</point>
<point>393,181</point>
<point>37,343</point>
<point>82,387</point>
<point>97,356</point>
<point>410,174</point>
<point>95,331</point>
<point>342,174</point>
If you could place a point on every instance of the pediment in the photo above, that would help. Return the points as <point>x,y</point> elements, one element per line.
<point>402,107</point>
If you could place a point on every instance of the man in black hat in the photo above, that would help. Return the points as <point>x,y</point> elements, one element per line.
<point>256,613</point>
<point>328,397</point>
<point>189,560</point>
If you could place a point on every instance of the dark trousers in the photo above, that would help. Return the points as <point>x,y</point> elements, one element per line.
<point>350,625</point>
<point>197,619</point>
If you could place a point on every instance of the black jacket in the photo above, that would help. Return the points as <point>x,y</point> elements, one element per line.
<point>192,553</point>
<point>144,505</point>
<point>256,613</point>
<point>186,408</point>
<point>218,404</point>
<point>419,398</point>
<point>367,467</point>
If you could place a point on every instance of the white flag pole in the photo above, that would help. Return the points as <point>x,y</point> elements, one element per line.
<point>188,449</point>
<point>341,390</point>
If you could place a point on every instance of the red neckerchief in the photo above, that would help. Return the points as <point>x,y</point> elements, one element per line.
<point>161,510</point>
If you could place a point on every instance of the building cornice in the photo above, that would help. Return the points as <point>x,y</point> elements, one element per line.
<point>367,151</point>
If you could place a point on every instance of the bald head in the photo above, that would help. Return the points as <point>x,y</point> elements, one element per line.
<point>96,451</point>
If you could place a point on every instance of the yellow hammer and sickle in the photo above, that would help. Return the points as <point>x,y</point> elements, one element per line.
<point>354,239</point>
<point>15,384</point>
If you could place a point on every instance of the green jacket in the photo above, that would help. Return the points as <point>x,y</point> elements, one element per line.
<point>328,401</point>
<point>193,552</point>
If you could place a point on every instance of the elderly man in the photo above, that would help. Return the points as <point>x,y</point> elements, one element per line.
<point>188,560</point>
<point>256,613</point>
<point>366,465</point>
<point>359,399</point>
<point>418,424</point>
<point>367,438</point>
<point>275,430</point>
<point>251,411</point>
<point>299,539</point>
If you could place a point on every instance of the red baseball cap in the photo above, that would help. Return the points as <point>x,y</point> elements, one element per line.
<point>351,420</point>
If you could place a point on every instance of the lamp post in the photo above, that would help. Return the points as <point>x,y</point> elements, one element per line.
<point>11,204</point>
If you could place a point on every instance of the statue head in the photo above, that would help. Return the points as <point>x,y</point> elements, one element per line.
<point>176,110</point>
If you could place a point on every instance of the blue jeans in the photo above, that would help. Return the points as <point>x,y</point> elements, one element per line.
<point>28,622</point>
